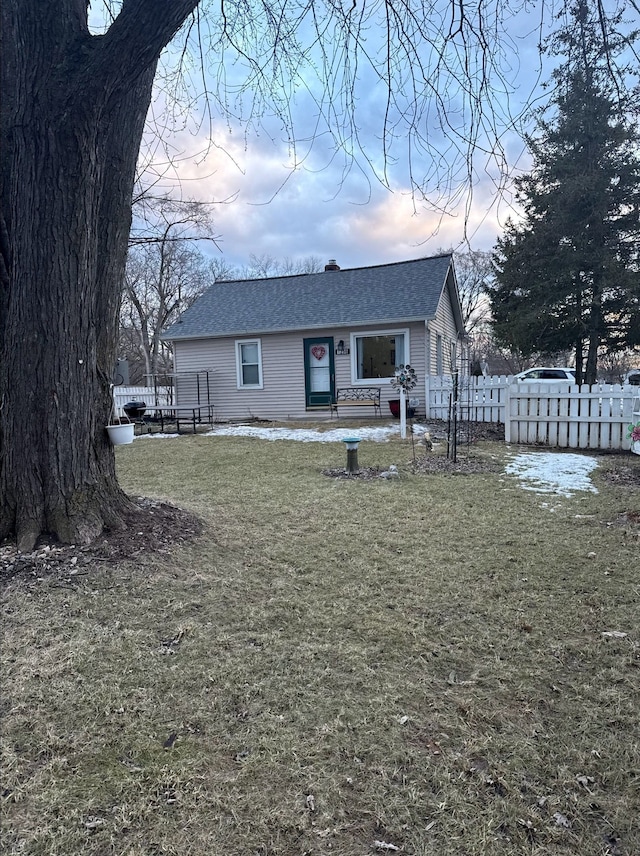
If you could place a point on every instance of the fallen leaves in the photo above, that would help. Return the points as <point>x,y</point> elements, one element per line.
<point>585,781</point>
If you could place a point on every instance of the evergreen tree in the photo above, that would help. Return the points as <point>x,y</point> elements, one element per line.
<point>567,275</point>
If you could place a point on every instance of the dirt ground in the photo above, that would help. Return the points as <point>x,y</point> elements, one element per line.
<point>153,527</point>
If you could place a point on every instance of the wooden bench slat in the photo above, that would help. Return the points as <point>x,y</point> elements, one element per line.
<point>358,396</point>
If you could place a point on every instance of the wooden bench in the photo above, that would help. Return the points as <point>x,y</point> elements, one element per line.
<point>358,396</point>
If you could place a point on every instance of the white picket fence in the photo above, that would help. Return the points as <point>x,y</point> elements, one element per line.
<point>575,417</point>
<point>564,415</point>
<point>480,399</point>
<point>160,396</point>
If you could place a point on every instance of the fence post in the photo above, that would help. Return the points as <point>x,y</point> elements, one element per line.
<point>427,395</point>
<point>507,413</point>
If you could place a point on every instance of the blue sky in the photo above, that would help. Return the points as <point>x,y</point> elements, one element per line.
<point>316,202</point>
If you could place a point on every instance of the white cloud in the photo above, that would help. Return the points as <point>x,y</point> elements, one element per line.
<point>316,201</point>
<point>282,212</point>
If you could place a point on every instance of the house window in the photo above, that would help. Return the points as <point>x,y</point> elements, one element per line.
<point>377,354</point>
<point>249,363</point>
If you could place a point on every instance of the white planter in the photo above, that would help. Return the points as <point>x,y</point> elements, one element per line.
<point>120,435</point>
<point>635,447</point>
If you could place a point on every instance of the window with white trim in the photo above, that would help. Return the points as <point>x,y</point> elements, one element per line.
<point>249,363</point>
<point>376,354</point>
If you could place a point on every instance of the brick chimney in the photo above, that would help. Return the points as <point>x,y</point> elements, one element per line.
<point>332,265</point>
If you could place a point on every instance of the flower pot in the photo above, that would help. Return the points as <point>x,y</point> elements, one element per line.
<point>635,447</point>
<point>394,407</point>
<point>121,434</point>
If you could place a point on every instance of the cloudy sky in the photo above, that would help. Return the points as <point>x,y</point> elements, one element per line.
<point>315,200</point>
<point>309,212</point>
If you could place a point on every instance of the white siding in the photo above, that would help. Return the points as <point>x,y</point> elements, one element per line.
<point>444,324</point>
<point>283,393</point>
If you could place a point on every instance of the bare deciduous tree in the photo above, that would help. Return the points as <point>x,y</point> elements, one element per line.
<point>72,118</point>
<point>264,266</point>
<point>220,270</point>
<point>161,281</point>
<point>474,272</point>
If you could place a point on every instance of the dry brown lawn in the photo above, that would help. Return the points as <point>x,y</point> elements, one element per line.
<point>427,664</point>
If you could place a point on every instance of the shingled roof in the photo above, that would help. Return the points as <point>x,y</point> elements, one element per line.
<point>391,293</point>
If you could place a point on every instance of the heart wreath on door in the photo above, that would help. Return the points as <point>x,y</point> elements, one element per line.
<point>318,351</point>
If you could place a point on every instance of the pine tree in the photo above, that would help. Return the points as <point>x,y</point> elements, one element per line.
<point>567,275</point>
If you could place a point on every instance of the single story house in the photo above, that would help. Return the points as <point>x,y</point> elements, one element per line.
<point>280,348</point>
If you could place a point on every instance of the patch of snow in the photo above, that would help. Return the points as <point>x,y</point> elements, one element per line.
<point>156,436</point>
<point>561,473</point>
<point>305,435</point>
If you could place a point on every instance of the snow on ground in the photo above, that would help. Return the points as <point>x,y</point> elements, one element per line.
<point>562,473</point>
<point>305,435</point>
<point>156,436</point>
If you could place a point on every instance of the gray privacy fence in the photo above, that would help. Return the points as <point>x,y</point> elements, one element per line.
<point>551,414</point>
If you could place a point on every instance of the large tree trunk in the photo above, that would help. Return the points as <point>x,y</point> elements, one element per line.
<point>72,123</point>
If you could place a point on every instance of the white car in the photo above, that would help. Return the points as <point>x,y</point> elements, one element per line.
<point>545,374</point>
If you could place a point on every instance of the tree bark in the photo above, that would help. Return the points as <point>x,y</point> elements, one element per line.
<point>72,120</point>
<point>594,334</point>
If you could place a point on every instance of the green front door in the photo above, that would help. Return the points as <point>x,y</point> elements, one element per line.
<point>319,372</point>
